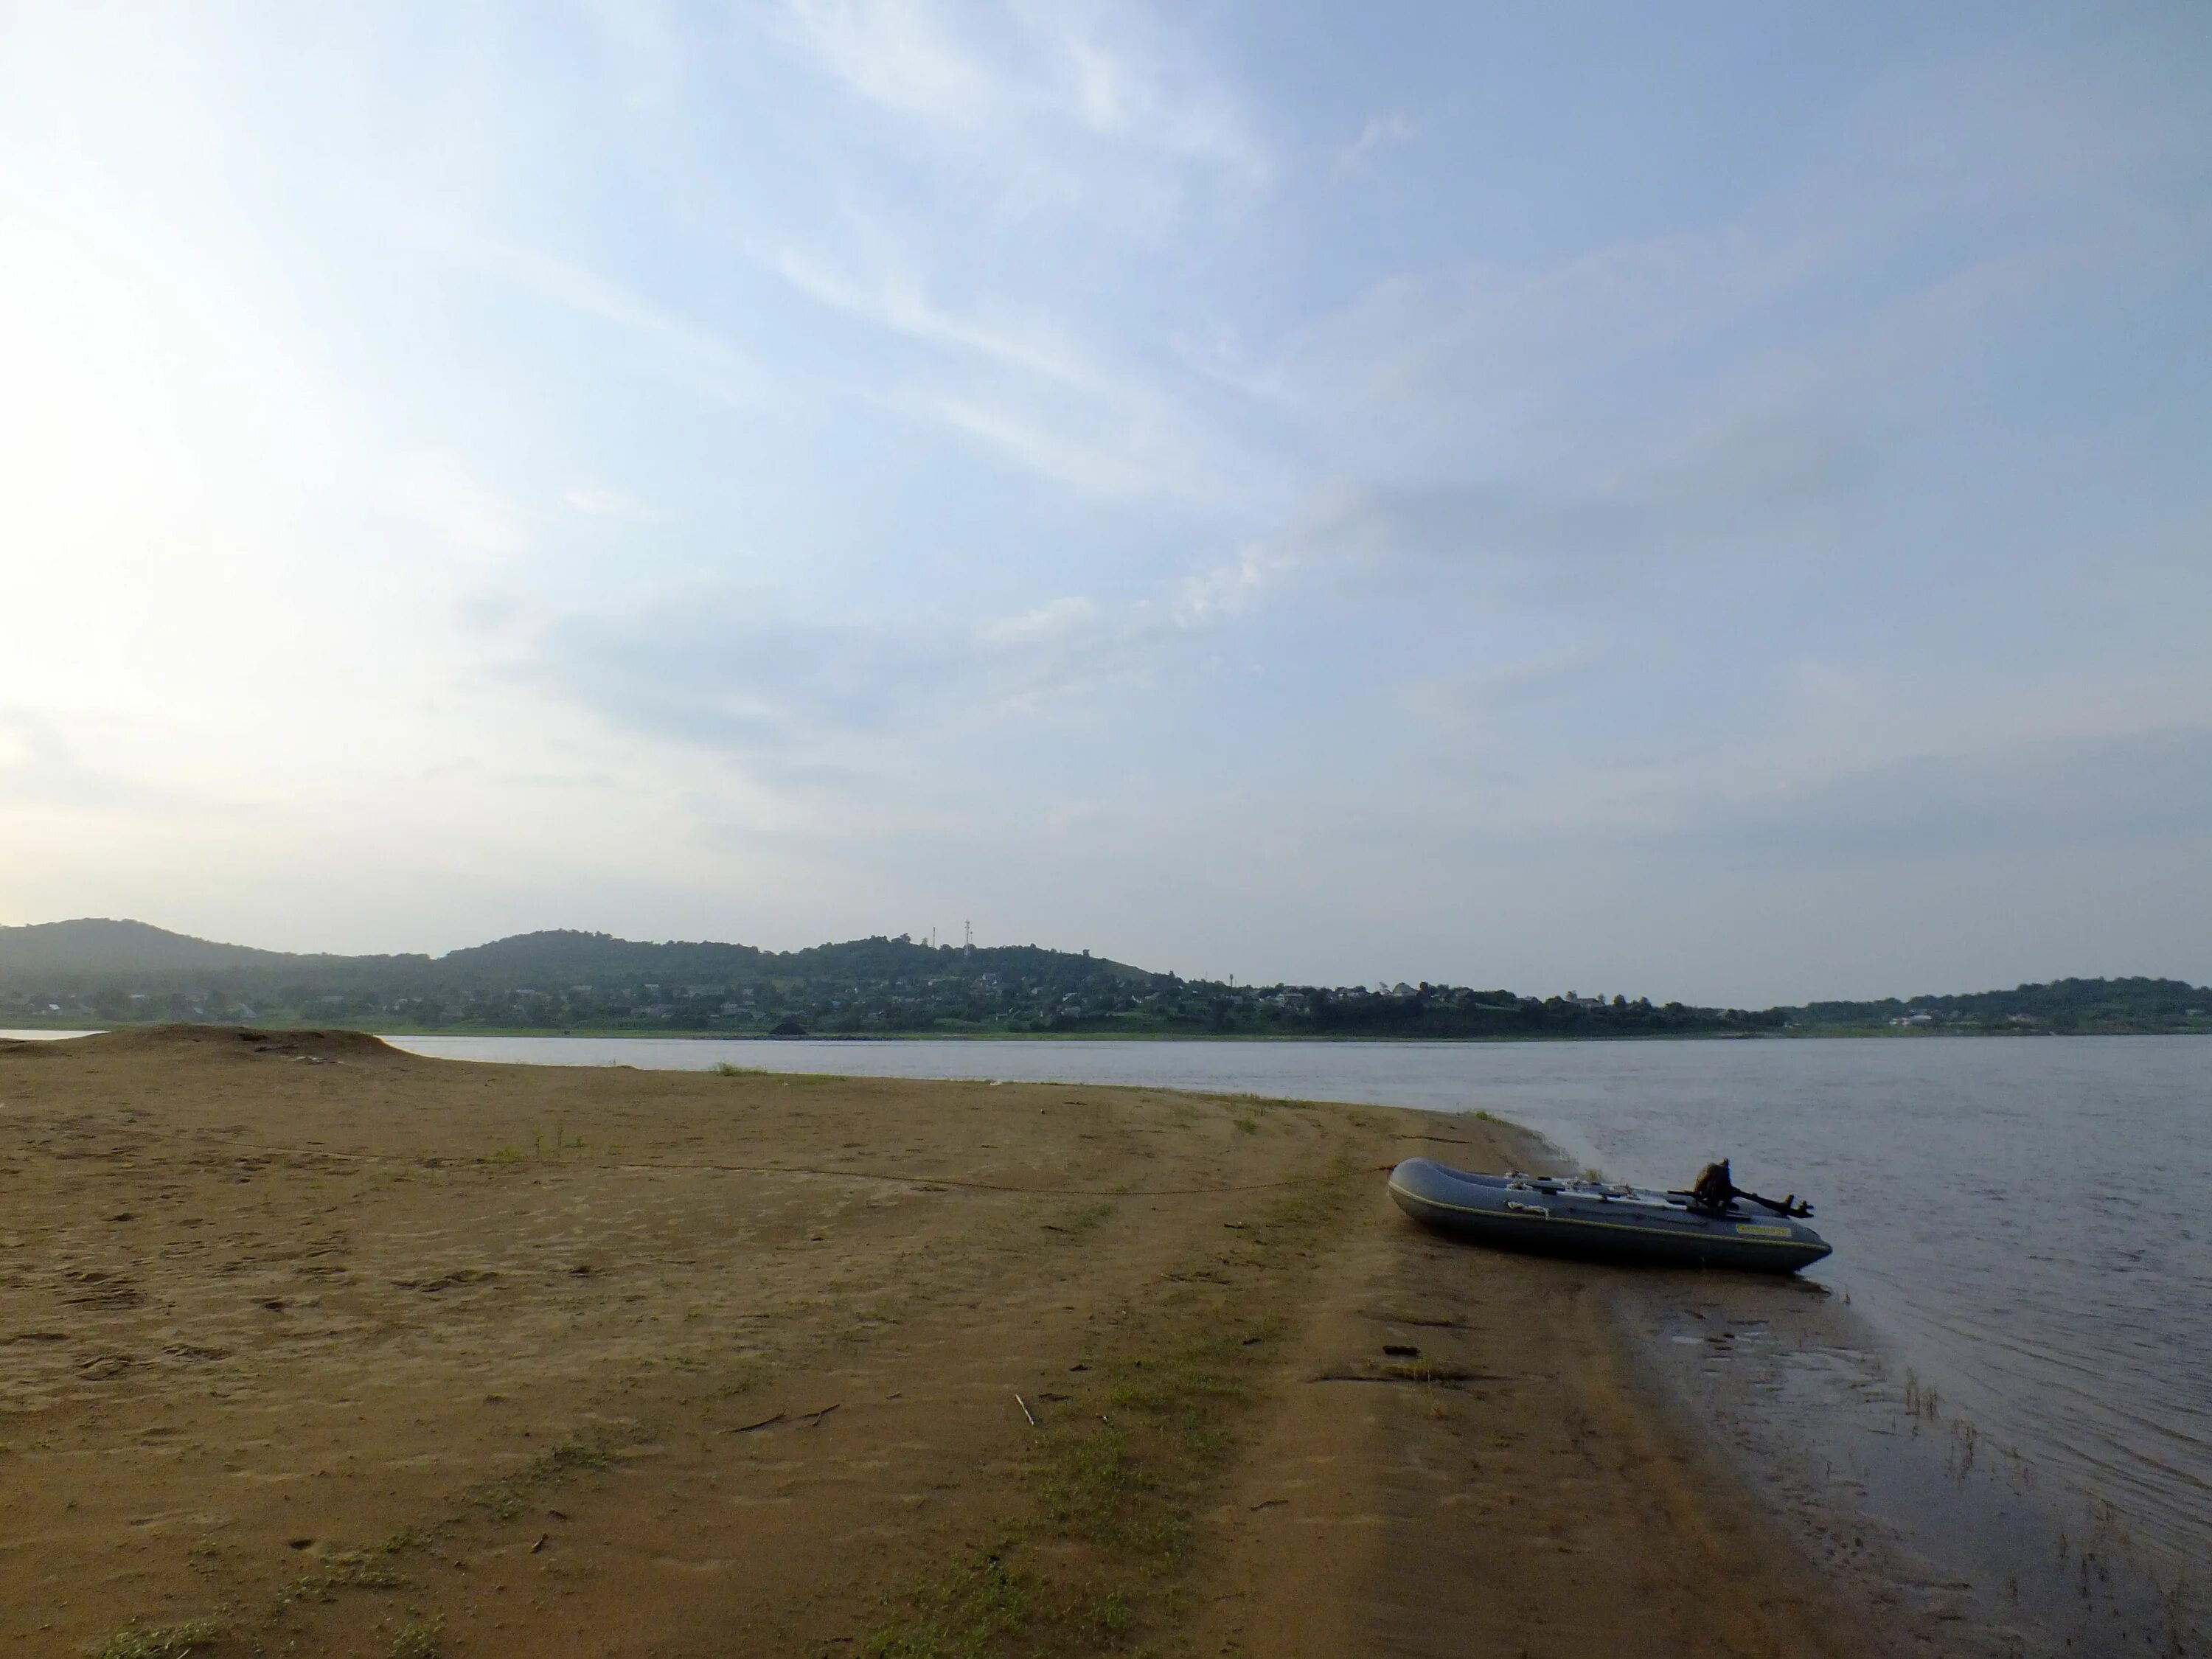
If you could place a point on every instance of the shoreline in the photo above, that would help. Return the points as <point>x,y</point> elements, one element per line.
<point>1901,1497</point>
<point>1146,1364</point>
<point>1516,1449</point>
<point>641,1033</point>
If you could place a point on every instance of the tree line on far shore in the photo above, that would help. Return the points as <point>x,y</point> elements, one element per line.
<point>110,973</point>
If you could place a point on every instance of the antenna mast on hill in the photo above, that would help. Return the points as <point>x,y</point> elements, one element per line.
<point>967,935</point>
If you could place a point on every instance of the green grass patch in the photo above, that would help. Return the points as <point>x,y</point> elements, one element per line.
<point>503,1500</point>
<point>354,1570</point>
<point>1121,1473</point>
<point>965,1614</point>
<point>419,1638</point>
<point>168,1642</point>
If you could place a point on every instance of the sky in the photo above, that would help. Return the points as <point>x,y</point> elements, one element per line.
<point>1710,501</point>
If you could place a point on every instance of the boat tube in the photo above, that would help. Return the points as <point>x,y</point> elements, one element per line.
<point>1561,1216</point>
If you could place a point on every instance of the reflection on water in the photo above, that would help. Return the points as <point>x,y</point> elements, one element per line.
<point>2022,1217</point>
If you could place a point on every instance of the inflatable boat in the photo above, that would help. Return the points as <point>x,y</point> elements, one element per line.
<point>1565,1217</point>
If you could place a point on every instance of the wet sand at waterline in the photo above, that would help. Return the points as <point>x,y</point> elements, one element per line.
<point>308,1346</point>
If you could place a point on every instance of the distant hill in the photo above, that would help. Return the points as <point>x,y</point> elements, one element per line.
<point>567,958</point>
<point>562,958</point>
<point>74,949</point>
<point>109,973</point>
<point>72,952</point>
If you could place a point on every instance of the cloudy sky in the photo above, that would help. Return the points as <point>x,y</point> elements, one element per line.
<point>1706,500</point>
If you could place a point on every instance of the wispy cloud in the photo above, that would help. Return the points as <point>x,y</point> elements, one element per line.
<point>699,356</point>
<point>1102,452</point>
<point>895,299</point>
<point>433,490</point>
<point>1032,391</point>
<point>735,670</point>
<point>900,53</point>
<point>598,502</point>
<point>1108,72</point>
<point>1381,129</point>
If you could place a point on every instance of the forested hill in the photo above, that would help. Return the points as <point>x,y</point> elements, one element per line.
<point>97,972</point>
<point>71,951</point>
<point>567,958</point>
<point>111,971</point>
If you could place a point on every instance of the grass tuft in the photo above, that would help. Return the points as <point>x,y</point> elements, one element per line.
<point>1112,1617</point>
<point>170,1642</point>
<point>1121,1475</point>
<point>500,1502</point>
<point>578,1452</point>
<point>419,1638</point>
<point>1092,1484</point>
<point>962,1616</point>
<point>504,1499</point>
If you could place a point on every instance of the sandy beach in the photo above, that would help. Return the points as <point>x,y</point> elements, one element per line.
<point>307,1346</point>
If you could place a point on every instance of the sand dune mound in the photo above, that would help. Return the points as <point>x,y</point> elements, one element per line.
<point>30,1047</point>
<point>252,1041</point>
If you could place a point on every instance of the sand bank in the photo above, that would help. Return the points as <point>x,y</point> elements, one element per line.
<point>309,1346</point>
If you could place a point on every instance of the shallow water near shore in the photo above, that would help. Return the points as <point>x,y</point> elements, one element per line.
<point>1908,1506</point>
<point>2017,1220</point>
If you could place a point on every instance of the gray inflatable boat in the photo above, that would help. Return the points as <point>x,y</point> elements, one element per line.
<point>1567,1216</point>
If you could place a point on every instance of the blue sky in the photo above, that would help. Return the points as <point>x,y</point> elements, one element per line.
<point>1708,501</point>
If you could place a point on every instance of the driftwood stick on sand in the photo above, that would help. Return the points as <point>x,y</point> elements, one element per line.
<point>1026,1411</point>
<point>762,1424</point>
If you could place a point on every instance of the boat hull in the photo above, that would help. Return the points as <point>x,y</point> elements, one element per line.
<point>1567,1218</point>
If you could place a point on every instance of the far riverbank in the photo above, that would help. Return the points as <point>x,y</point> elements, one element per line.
<point>34,1027</point>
